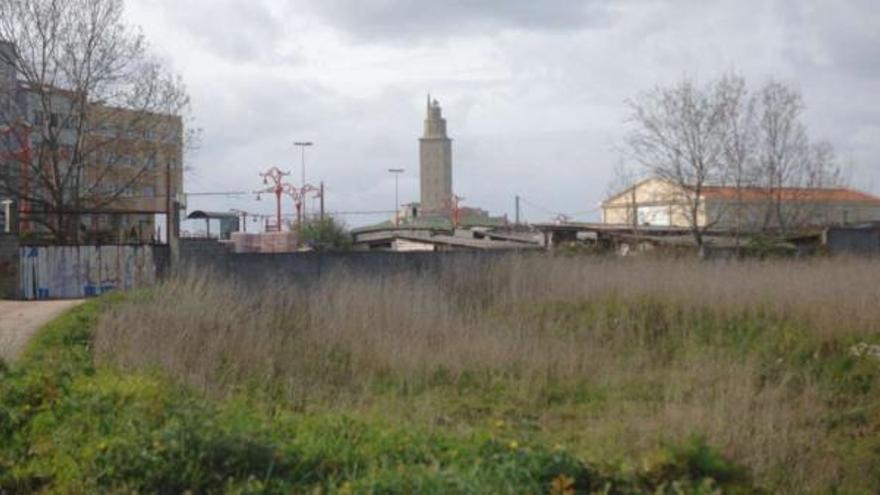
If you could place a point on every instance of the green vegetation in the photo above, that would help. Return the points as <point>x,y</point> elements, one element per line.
<point>326,234</point>
<point>555,375</point>
<point>69,426</point>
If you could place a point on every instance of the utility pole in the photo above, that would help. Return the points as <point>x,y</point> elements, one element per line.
<point>7,215</point>
<point>322,202</point>
<point>168,212</point>
<point>517,209</point>
<point>396,172</point>
<point>302,145</point>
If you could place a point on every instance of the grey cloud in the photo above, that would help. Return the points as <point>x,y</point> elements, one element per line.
<point>410,19</point>
<point>541,119</point>
<point>236,30</point>
<point>834,36</point>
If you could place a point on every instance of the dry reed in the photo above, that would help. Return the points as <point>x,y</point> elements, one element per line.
<point>670,347</point>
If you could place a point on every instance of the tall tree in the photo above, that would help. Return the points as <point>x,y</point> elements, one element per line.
<point>739,165</point>
<point>789,165</point>
<point>721,134</point>
<point>679,137</point>
<point>89,91</point>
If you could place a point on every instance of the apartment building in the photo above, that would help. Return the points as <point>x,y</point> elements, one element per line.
<point>99,170</point>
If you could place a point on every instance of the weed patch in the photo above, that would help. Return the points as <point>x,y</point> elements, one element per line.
<point>70,426</point>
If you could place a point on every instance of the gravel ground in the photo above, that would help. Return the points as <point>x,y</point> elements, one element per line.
<point>19,320</point>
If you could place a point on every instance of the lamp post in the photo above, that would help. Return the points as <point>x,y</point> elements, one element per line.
<point>302,145</point>
<point>396,172</point>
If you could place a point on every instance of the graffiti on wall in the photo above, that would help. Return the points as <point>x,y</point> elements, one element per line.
<point>65,272</point>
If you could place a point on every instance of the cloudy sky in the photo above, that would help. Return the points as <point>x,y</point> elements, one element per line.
<point>533,91</point>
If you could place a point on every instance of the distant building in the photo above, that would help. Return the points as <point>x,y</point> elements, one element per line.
<point>659,203</point>
<point>439,207</point>
<point>438,222</point>
<point>435,162</point>
<point>132,165</point>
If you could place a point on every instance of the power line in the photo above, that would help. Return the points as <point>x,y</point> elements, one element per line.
<point>223,193</point>
<point>366,212</point>
<point>535,205</point>
<point>558,213</point>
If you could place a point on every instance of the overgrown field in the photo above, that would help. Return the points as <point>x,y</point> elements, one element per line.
<point>532,374</point>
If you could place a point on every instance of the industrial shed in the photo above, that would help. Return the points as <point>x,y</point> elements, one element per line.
<point>660,203</point>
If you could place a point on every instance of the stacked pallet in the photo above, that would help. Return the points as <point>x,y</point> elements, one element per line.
<point>278,242</point>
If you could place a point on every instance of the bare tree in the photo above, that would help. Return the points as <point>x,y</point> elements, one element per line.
<point>679,136</point>
<point>783,148</point>
<point>625,179</point>
<point>721,137</point>
<point>739,165</point>
<point>790,167</point>
<point>95,117</point>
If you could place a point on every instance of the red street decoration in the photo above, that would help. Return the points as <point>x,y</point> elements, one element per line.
<point>299,195</point>
<point>274,179</point>
<point>452,204</point>
<point>277,177</point>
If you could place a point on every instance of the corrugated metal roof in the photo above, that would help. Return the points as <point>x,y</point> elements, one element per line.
<point>200,214</point>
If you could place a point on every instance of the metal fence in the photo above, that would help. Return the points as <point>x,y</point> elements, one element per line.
<point>68,272</point>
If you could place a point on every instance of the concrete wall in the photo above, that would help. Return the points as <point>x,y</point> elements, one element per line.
<point>197,250</point>
<point>856,241</point>
<point>304,268</point>
<point>73,272</point>
<point>8,266</point>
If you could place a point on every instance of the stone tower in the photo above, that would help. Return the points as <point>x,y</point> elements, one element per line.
<point>435,162</point>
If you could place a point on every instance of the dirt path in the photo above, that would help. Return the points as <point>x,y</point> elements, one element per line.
<point>20,319</point>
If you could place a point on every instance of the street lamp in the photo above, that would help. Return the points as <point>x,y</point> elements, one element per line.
<point>302,145</point>
<point>396,172</point>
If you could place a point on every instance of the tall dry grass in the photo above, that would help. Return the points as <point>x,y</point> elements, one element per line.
<point>611,356</point>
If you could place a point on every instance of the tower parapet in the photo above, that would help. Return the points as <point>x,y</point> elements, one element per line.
<point>435,162</point>
<point>435,124</point>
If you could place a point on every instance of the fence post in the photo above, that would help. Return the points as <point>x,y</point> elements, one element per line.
<point>9,266</point>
